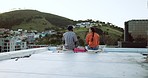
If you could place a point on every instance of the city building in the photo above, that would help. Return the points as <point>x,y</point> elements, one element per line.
<point>136,34</point>
<point>31,38</point>
<point>11,44</point>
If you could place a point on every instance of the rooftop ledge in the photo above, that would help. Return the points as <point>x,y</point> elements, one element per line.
<point>21,53</point>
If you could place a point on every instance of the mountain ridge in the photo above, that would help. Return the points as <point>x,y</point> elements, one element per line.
<point>21,18</point>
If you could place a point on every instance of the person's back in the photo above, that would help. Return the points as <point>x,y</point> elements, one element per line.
<point>95,41</point>
<point>92,39</point>
<point>69,39</point>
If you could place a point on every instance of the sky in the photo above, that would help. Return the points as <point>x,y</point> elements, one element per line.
<point>112,11</point>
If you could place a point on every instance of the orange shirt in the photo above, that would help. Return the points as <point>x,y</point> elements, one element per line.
<point>96,40</point>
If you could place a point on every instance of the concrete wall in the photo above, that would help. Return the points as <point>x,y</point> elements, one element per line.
<point>21,53</point>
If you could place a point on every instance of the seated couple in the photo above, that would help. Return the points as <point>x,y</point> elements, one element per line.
<point>92,39</point>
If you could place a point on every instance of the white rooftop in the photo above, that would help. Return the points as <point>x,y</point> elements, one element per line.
<point>46,64</point>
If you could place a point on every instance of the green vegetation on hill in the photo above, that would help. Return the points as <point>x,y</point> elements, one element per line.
<point>36,24</point>
<point>112,35</point>
<point>32,19</point>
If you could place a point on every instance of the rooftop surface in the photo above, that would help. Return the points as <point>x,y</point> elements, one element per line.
<point>76,65</point>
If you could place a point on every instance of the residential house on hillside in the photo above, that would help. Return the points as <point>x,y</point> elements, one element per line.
<point>30,38</point>
<point>18,40</point>
<point>2,30</point>
<point>85,24</point>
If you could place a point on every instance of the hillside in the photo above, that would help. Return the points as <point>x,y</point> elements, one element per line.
<point>35,20</point>
<point>109,37</point>
<point>32,19</point>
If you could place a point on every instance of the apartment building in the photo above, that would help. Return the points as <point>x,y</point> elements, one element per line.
<point>137,29</point>
<point>136,33</point>
<point>11,44</point>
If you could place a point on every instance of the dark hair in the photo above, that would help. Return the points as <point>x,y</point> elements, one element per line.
<point>70,28</point>
<point>93,31</point>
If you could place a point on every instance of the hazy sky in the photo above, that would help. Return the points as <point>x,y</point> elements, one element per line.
<point>113,11</point>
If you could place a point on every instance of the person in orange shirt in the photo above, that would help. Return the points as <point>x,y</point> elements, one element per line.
<point>92,39</point>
